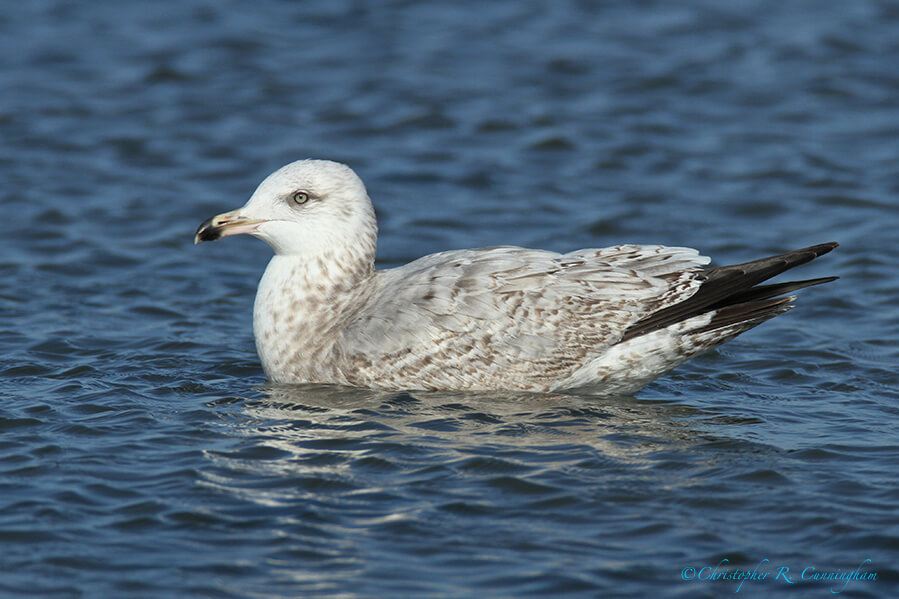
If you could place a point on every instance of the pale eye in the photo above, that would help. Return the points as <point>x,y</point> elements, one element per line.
<point>300,197</point>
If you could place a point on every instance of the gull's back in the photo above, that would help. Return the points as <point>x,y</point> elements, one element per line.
<point>507,317</point>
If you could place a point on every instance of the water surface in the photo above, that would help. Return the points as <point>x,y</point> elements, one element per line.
<point>142,453</point>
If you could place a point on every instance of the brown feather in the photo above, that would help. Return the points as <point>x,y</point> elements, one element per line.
<point>726,287</point>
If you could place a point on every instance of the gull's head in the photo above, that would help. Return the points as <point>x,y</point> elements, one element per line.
<point>304,208</point>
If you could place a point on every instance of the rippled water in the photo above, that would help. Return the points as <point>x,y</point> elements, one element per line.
<point>141,453</point>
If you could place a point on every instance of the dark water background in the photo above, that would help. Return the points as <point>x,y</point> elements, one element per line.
<point>141,454</point>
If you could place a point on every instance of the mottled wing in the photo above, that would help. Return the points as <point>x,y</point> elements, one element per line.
<point>507,316</point>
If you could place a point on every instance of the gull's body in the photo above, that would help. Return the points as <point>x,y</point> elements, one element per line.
<point>598,320</point>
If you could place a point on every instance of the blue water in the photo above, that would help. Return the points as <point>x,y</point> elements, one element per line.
<point>142,453</point>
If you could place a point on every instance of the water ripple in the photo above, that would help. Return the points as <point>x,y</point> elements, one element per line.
<point>138,459</point>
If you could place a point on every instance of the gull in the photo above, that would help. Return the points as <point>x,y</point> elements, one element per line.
<point>599,321</point>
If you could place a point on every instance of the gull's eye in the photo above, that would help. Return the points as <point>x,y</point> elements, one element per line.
<point>300,197</point>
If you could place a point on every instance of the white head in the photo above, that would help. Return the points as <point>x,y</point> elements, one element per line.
<point>307,208</point>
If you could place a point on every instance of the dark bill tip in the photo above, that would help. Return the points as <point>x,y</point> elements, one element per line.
<point>207,231</point>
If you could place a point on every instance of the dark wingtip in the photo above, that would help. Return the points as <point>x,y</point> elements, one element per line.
<point>823,280</point>
<point>823,248</point>
<point>738,285</point>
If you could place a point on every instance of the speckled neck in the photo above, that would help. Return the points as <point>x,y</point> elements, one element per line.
<point>301,303</point>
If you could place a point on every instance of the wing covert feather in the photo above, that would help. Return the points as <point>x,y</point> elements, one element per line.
<point>516,312</point>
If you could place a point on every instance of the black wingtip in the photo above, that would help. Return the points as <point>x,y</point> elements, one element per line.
<point>822,248</point>
<point>738,285</point>
<point>749,314</point>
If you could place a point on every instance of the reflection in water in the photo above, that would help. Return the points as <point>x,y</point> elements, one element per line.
<point>351,441</point>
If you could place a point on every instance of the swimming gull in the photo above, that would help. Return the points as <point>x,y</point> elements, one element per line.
<point>594,320</point>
